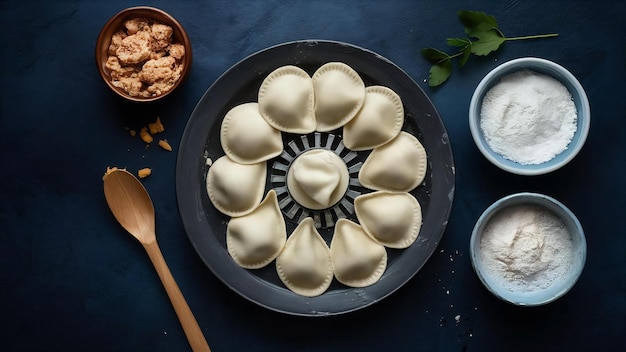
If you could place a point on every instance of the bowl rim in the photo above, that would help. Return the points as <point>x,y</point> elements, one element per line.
<point>583,114</point>
<point>103,38</point>
<point>558,209</point>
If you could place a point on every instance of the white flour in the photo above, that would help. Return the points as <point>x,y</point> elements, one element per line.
<point>526,248</point>
<point>528,117</point>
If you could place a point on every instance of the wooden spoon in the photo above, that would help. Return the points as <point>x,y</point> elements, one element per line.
<point>131,205</point>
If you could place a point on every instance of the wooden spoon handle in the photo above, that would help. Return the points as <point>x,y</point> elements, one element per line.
<point>187,320</point>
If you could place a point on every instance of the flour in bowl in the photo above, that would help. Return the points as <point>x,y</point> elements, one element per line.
<point>528,117</point>
<point>526,248</point>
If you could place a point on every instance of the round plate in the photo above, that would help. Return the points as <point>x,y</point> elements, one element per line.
<point>206,227</point>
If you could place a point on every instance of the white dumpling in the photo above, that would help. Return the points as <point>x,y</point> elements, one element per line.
<point>378,122</point>
<point>393,219</point>
<point>398,166</point>
<point>236,189</point>
<point>339,95</point>
<point>247,138</point>
<point>358,261</point>
<point>286,100</point>
<point>254,240</point>
<point>305,265</point>
<point>318,179</point>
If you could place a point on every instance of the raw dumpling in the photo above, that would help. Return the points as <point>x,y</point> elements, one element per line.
<point>378,122</point>
<point>286,100</point>
<point>398,166</point>
<point>318,179</point>
<point>339,94</point>
<point>236,189</point>
<point>358,261</point>
<point>254,240</point>
<point>304,265</point>
<point>247,138</point>
<point>392,219</point>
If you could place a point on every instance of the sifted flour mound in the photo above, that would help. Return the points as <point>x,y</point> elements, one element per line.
<point>526,247</point>
<point>528,117</point>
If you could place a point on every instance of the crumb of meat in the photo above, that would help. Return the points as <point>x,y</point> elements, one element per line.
<point>143,61</point>
<point>176,51</point>
<point>135,48</point>
<point>136,24</point>
<point>131,85</point>
<point>116,40</point>
<point>116,69</point>
<point>161,36</point>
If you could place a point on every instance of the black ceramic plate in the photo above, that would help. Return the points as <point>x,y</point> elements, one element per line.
<point>206,227</point>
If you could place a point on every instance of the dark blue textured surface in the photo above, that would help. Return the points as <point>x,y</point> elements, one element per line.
<point>72,279</point>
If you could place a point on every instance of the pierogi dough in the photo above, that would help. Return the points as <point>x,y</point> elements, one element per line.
<point>398,166</point>
<point>236,189</point>
<point>339,95</point>
<point>286,100</point>
<point>318,179</point>
<point>305,265</point>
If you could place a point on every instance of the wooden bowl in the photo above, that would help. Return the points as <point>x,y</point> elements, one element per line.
<point>116,23</point>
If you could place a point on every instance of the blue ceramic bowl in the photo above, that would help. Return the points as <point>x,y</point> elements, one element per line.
<point>560,286</point>
<point>544,67</point>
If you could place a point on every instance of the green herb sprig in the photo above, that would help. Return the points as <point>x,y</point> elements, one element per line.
<point>485,37</point>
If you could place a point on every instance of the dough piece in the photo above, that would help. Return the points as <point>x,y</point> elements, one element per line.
<point>304,265</point>
<point>254,240</point>
<point>247,138</point>
<point>398,166</point>
<point>236,189</point>
<point>286,100</point>
<point>318,179</point>
<point>358,261</point>
<point>392,219</point>
<point>378,122</point>
<point>339,95</point>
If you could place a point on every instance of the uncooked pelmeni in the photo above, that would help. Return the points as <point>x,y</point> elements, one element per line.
<point>393,219</point>
<point>254,240</point>
<point>339,95</point>
<point>358,261</point>
<point>318,179</point>
<point>286,100</point>
<point>305,265</point>
<point>247,138</point>
<point>236,189</point>
<point>378,122</point>
<point>398,166</point>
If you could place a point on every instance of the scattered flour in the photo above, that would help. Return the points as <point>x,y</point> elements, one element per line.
<point>526,247</point>
<point>528,117</point>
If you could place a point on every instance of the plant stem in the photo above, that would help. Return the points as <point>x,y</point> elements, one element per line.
<point>534,36</point>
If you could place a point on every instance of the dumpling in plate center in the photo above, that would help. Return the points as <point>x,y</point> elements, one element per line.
<point>317,179</point>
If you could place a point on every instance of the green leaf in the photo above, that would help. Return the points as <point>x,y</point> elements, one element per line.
<point>439,73</point>
<point>477,23</point>
<point>434,56</point>
<point>467,52</point>
<point>459,42</point>
<point>490,41</point>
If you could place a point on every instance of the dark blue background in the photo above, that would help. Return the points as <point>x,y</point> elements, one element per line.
<point>72,279</point>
